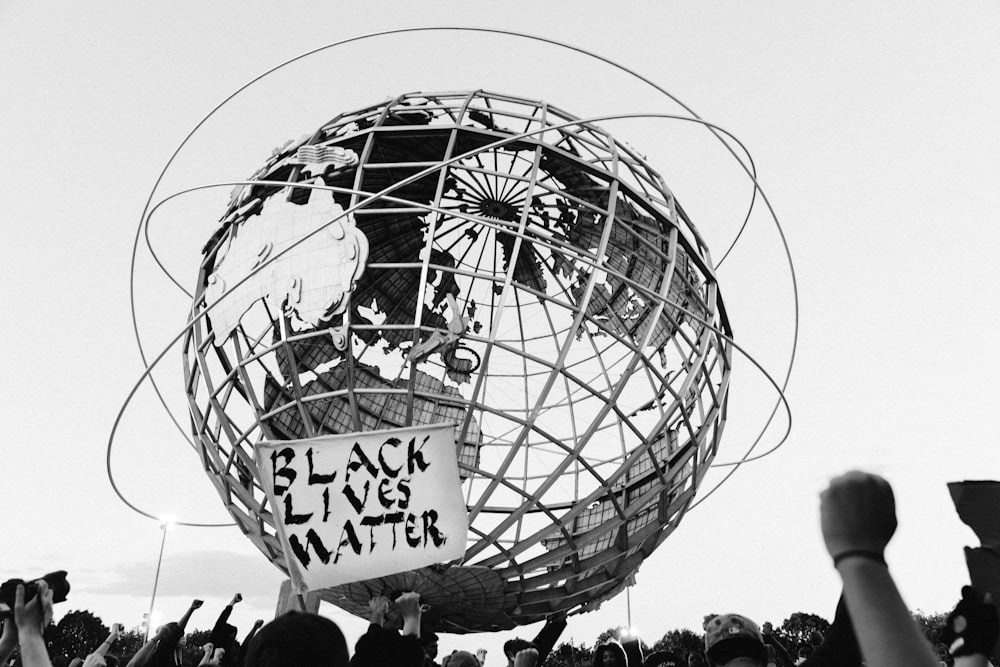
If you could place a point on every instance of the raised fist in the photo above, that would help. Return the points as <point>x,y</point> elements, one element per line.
<point>857,513</point>
<point>408,604</point>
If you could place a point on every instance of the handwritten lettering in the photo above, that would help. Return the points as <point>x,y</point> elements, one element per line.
<point>302,552</point>
<point>365,499</point>
<point>415,457</point>
<point>284,471</point>
<point>315,477</point>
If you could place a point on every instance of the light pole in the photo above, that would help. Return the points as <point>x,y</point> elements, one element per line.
<point>156,580</point>
<point>628,605</point>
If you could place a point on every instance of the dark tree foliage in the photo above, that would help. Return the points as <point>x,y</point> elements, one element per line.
<point>932,626</point>
<point>77,634</point>
<point>610,633</point>
<point>680,642</point>
<point>128,644</point>
<point>796,630</point>
<point>569,654</point>
<point>191,648</point>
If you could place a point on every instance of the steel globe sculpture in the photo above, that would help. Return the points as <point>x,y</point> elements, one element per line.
<point>485,260</point>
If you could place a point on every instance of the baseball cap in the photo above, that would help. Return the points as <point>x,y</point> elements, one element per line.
<point>732,635</point>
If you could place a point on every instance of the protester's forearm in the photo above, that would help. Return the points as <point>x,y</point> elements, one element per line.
<point>547,637</point>
<point>8,641</point>
<point>105,645</point>
<point>219,629</point>
<point>885,631</point>
<point>186,617</point>
<point>5,653</point>
<point>224,616</point>
<point>780,651</point>
<point>142,655</point>
<point>241,657</point>
<point>839,646</point>
<point>33,653</point>
<point>411,625</point>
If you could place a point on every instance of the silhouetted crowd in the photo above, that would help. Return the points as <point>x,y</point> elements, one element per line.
<point>871,627</point>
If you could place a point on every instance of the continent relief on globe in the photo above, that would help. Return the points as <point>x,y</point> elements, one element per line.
<point>309,282</point>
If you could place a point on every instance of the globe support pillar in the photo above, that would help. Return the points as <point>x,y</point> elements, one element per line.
<point>289,600</point>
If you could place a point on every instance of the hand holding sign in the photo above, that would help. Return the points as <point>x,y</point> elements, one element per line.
<point>380,609</point>
<point>408,605</point>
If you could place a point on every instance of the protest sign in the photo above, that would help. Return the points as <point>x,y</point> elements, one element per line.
<point>363,505</point>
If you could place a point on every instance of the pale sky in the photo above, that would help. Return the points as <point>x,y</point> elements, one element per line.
<point>876,134</point>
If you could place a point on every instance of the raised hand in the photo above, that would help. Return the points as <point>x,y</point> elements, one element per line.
<point>94,660</point>
<point>858,518</point>
<point>32,616</point>
<point>379,606</point>
<point>212,656</point>
<point>857,515</point>
<point>408,604</point>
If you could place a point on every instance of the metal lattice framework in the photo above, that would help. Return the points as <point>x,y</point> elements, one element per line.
<point>529,278</point>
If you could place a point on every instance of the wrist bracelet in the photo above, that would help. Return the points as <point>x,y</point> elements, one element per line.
<point>860,553</point>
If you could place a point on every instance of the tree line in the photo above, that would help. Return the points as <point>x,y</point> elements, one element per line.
<point>793,632</point>
<point>79,632</point>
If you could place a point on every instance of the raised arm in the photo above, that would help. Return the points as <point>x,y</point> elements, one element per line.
<point>102,650</point>
<point>195,604</point>
<point>31,618</point>
<point>227,610</point>
<point>223,634</point>
<point>142,656</point>
<point>408,605</point>
<point>858,518</point>
<point>839,647</point>
<point>8,640</point>
<point>548,635</point>
<point>781,656</point>
<point>242,655</point>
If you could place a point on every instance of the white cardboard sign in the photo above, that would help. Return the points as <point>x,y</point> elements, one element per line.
<point>363,505</point>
